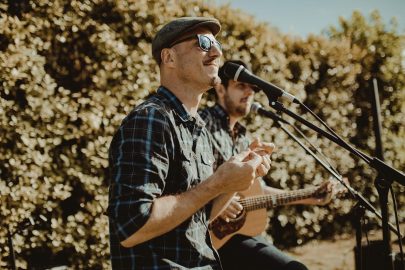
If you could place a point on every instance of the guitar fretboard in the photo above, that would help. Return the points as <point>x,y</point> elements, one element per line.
<point>268,201</point>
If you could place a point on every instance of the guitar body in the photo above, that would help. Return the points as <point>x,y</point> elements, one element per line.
<point>253,219</point>
<point>251,223</point>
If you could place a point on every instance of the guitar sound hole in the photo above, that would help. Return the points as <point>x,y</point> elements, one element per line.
<point>221,228</point>
<point>239,216</point>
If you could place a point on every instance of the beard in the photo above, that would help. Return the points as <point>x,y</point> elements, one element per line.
<point>215,81</point>
<point>237,110</point>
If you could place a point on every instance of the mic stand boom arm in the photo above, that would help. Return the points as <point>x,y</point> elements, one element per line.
<point>379,165</point>
<point>366,204</point>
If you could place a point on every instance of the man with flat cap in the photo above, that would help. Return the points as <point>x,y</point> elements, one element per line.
<point>163,191</point>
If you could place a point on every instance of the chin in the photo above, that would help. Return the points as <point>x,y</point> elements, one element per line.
<point>212,70</point>
<point>214,80</point>
<point>242,112</point>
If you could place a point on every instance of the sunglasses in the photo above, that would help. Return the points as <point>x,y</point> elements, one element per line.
<point>204,42</point>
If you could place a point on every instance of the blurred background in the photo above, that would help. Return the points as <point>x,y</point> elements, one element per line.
<point>302,18</point>
<point>70,71</point>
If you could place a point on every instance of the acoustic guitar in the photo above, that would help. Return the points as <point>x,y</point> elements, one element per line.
<point>253,219</point>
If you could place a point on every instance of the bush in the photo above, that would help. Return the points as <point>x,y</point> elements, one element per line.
<point>71,70</point>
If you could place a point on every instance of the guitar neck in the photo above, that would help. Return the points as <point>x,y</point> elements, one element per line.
<point>269,201</point>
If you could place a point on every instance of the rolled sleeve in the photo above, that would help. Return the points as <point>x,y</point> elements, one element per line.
<point>139,164</point>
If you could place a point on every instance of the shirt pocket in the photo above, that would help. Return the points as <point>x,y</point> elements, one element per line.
<point>206,165</point>
<point>187,169</point>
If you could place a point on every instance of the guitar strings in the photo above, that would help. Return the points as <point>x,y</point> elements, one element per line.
<point>272,200</point>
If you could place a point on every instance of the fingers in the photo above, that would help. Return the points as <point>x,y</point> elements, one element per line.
<point>254,160</point>
<point>331,189</point>
<point>327,185</point>
<point>337,188</point>
<point>330,186</point>
<point>261,171</point>
<point>235,207</point>
<point>264,168</point>
<point>255,143</point>
<point>243,168</point>
<point>242,156</point>
<point>232,211</point>
<point>267,147</point>
<point>262,148</point>
<point>266,161</point>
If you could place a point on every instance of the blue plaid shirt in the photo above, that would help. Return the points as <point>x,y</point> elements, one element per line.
<point>226,142</point>
<point>159,150</point>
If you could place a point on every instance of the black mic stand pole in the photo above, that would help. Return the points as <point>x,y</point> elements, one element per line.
<point>11,248</point>
<point>358,214</point>
<point>382,185</point>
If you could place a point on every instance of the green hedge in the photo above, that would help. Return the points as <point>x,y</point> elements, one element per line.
<point>71,70</point>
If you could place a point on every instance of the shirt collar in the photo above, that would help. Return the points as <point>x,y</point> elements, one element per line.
<point>179,107</point>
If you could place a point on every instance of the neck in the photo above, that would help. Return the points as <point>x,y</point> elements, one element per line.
<point>188,94</point>
<point>232,121</point>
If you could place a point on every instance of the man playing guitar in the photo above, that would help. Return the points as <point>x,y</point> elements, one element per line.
<point>235,232</point>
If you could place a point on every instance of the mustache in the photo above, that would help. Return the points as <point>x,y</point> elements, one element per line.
<point>246,99</point>
<point>211,60</point>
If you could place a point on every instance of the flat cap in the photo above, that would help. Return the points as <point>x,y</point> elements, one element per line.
<point>173,30</point>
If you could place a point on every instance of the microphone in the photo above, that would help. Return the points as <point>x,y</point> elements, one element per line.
<point>257,108</point>
<point>241,74</point>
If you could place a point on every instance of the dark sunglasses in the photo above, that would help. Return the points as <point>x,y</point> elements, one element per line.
<point>204,42</point>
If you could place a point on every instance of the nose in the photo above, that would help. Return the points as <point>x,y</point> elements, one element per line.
<point>215,51</point>
<point>249,90</point>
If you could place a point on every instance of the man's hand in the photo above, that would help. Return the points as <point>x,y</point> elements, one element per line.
<point>232,210</point>
<point>330,189</point>
<point>238,173</point>
<point>264,150</point>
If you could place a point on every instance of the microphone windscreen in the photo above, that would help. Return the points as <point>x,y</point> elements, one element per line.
<point>255,107</point>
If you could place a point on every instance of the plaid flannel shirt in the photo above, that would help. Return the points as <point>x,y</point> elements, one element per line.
<point>226,142</point>
<point>159,150</point>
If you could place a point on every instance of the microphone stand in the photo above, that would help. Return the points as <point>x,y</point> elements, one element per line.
<point>382,185</point>
<point>330,169</point>
<point>358,209</point>
<point>374,162</point>
<point>20,227</point>
<point>11,248</point>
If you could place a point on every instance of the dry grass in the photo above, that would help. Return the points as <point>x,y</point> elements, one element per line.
<point>335,254</point>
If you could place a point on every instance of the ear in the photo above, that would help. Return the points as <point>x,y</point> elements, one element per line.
<point>168,56</point>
